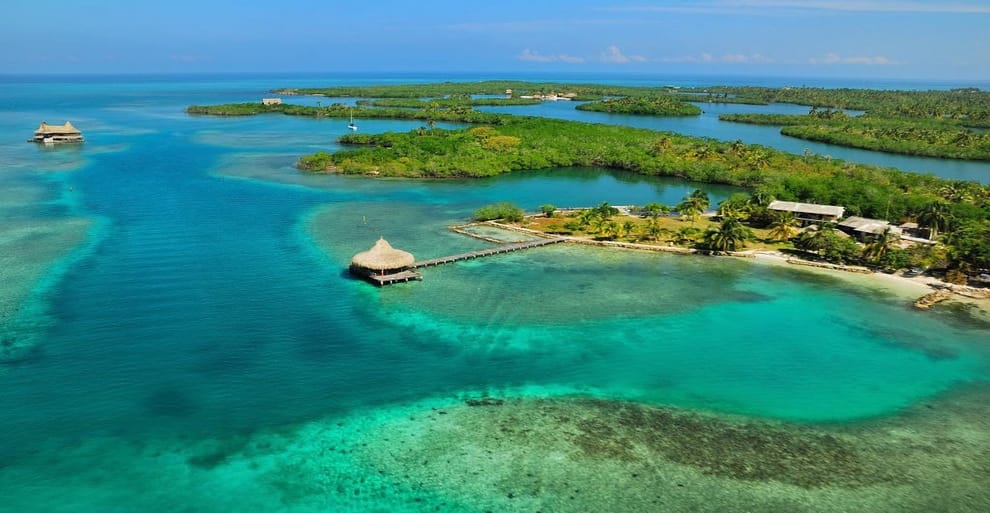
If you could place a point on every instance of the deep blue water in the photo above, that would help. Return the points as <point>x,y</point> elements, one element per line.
<point>208,298</point>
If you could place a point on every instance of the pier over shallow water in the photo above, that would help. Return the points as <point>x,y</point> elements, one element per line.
<point>205,336</point>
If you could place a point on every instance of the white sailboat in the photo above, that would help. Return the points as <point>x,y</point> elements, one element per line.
<point>352,125</point>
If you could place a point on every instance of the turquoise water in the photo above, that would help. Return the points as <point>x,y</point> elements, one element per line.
<point>176,282</point>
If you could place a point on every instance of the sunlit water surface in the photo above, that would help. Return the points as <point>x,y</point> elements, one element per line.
<point>178,282</point>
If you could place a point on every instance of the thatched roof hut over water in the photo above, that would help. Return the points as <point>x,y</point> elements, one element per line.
<point>57,133</point>
<point>382,257</point>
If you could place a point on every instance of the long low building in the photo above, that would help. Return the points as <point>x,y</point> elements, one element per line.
<point>809,212</point>
<point>863,226</point>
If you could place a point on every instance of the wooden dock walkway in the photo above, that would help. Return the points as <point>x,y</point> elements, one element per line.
<point>506,248</point>
<point>389,279</point>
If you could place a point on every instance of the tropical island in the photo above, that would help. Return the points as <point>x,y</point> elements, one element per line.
<point>512,88</point>
<point>744,225</point>
<point>661,105</point>
<point>936,124</point>
<point>955,212</point>
<point>454,100</point>
<point>906,136</point>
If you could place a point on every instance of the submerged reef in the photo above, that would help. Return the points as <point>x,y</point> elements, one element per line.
<point>589,454</point>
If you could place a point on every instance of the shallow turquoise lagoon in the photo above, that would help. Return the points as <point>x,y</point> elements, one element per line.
<point>189,286</point>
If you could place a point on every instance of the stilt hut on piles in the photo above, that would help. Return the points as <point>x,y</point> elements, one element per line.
<point>384,265</point>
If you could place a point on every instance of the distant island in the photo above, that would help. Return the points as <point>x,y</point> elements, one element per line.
<point>660,105</point>
<point>922,137</point>
<point>925,123</point>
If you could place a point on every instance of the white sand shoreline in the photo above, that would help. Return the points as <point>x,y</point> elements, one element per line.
<point>909,288</point>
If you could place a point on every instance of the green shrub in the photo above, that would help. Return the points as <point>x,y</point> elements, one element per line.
<point>504,210</point>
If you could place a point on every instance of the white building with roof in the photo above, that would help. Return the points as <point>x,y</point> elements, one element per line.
<point>809,212</point>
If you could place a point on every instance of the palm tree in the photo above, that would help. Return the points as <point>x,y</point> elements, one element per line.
<point>628,227</point>
<point>702,198</point>
<point>762,196</point>
<point>694,205</point>
<point>729,236</point>
<point>783,227</point>
<point>605,210</point>
<point>611,229</point>
<point>655,209</point>
<point>600,224</point>
<point>653,229</point>
<point>689,209</point>
<point>935,217</point>
<point>876,250</point>
<point>736,206</point>
<point>685,235</point>
<point>432,109</point>
<point>586,216</point>
<point>816,240</point>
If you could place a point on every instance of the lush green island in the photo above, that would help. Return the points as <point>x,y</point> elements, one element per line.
<point>970,106</point>
<point>446,102</point>
<point>459,113</point>
<point>741,224</point>
<point>490,87</point>
<point>957,211</point>
<point>925,123</point>
<point>924,137</point>
<point>665,105</point>
<point>712,97</point>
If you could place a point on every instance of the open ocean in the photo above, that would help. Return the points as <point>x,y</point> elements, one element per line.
<point>183,335</point>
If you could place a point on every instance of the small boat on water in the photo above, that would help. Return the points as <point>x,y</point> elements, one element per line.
<point>352,125</point>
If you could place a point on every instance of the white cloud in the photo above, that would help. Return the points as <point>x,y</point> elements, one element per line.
<point>834,58</point>
<point>536,56</point>
<point>614,55</point>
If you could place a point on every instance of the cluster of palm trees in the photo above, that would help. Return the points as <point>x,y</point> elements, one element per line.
<point>600,220</point>
<point>741,210</point>
<point>730,235</point>
<point>693,205</point>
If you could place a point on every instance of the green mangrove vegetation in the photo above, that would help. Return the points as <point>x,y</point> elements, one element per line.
<point>895,137</point>
<point>970,106</point>
<point>712,97</point>
<point>504,210</point>
<point>522,143</point>
<point>665,105</point>
<point>956,212</point>
<point>448,102</point>
<point>490,87</point>
<point>458,113</point>
<point>929,138</point>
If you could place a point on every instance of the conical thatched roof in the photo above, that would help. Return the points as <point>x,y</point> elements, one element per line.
<point>382,257</point>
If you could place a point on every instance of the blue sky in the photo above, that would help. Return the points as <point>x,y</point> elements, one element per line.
<point>921,39</point>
